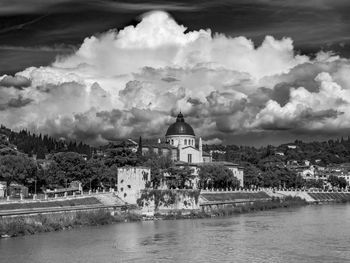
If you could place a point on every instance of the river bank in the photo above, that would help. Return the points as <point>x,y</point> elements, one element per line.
<point>29,225</point>
<point>229,210</point>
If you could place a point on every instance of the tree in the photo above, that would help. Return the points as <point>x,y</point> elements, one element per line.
<point>41,153</point>
<point>139,148</point>
<point>158,165</point>
<point>217,176</point>
<point>183,177</point>
<point>97,173</point>
<point>66,167</point>
<point>252,175</point>
<point>342,182</point>
<point>336,181</point>
<point>17,168</point>
<point>333,180</point>
<point>121,157</point>
<point>314,183</point>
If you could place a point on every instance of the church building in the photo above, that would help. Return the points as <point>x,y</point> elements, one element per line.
<point>181,135</point>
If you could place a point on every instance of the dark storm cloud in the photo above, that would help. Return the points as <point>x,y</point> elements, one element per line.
<point>15,103</point>
<point>9,7</point>
<point>300,123</point>
<point>18,82</point>
<point>312,24</point>
<point>169,79</point>
<point>19,102</point>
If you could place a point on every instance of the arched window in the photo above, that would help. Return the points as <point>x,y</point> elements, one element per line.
<point>185,142</point>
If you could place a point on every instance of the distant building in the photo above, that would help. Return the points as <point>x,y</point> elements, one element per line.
<point>279,153</point>
<point>16,190</point>
<point>3,189</point>
<point>161,149</point>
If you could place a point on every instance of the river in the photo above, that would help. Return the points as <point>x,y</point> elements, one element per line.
<point>307,234</point>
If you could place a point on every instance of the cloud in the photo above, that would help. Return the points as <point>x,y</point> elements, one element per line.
<point>8,7</point>
<point>134,81</point>
<point>55,48</point>
<point>158,41</point>
<point>325,109</point>
<point>170,6</point>
<point>15,103</point>
<point>18,82</point>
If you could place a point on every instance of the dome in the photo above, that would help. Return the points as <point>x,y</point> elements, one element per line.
<point>180,127</point>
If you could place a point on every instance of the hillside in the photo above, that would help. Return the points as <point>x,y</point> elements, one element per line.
<point>39,145</point>
<point>321,153</point>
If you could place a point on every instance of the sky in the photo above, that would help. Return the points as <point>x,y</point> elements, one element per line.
<point>246,72</point>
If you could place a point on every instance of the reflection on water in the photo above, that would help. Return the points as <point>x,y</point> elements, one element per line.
<point>308,234</point>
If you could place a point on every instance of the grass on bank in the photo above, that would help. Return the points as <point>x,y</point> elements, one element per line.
<point>47,204</point>
<point>338,197</point>
<point>286,202</point>
<point>218,196</point>
<point>17,226</point>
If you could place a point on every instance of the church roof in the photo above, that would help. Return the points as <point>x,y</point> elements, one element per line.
<point>180,127</point>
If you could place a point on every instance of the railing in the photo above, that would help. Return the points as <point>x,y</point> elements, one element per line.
<point>56,196</point>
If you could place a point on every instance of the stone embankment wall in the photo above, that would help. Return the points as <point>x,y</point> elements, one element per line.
<point>168,201</point>
<point>210,201</point>
<point>184,201</point>
<point>313,197</point>
<point>282,194</point>
<point>330,196</point>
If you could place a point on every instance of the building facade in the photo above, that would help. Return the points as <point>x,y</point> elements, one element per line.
<point>181,135</point>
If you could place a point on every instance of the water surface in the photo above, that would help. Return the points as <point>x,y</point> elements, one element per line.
<point>307,234</point>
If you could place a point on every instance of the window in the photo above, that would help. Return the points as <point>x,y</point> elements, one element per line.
<point>189,158</point>
<point>172,141</point>
<point>185,142</point>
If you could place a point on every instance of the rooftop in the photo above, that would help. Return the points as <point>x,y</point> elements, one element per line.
<point>180,127</point>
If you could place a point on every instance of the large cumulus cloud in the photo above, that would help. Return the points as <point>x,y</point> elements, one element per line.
<point>134,81</point>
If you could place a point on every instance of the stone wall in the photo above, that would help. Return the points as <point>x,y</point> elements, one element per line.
<point>131,180</point>
<point>168,201</point>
